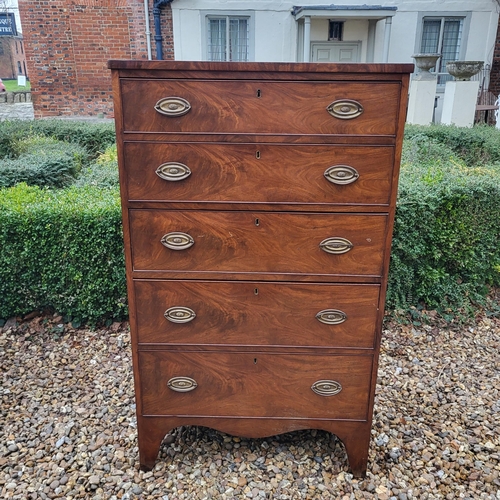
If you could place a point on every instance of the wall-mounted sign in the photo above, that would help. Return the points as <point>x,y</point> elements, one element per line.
<point>7,24</point>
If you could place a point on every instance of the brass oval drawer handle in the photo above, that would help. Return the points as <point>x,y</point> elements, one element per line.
<point>179,314</point>
<point>326,387</point>
<point>331,316</point>
<point>341,174</point>
<point>172,106</point>
<point>182,384</point>
<point>177,241</point>
<point>345,109</point>
<point>336,245</point>
<point>173,171</point>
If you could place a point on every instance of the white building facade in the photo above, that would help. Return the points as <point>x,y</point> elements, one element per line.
<point>348,31</point>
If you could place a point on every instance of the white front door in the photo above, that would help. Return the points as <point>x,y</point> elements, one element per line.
<point>342,52</point>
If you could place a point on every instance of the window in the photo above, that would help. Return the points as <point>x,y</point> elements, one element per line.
<point>442,35</point>
<point>228,38</point>
<point>336,31</point>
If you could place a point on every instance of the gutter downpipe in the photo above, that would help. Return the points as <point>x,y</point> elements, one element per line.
<point>148,32</point>
<point>158,36</point>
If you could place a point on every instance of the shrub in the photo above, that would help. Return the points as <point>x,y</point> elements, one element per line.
<point>94,137</point>
<point>41,161</point>
<point>479,145</point>
<point>102,172</point>
<point>62,250</point>
<point>445,249</point>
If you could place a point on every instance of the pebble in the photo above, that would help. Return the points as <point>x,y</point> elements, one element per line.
<point>435,431</point>
<point>136,489</point>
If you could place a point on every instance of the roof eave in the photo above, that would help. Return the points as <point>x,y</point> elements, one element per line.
<point>343,12</point>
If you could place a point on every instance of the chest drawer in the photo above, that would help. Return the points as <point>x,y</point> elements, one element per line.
<point>260,107</point>
<point>260,242</point>
<point>254,384</point>
<point>259,173</point>
<point>253,313</point>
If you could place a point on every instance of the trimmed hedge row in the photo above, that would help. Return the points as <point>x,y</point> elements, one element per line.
<point>94,137</point>
<point>63,250</point>
<point>445,250</point>
<point>479,145</point>
<point>42,161</point>
<point>103,172</point>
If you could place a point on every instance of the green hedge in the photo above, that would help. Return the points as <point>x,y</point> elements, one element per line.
<point>479,145</point>
<point>94,137</point>
<point>42,161</point>
<point>445,250</point>
<point>102,172</point>
<point>62,250</point>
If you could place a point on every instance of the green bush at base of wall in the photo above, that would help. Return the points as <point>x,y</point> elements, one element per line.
<point>62,249</point>
<point>445,250</point>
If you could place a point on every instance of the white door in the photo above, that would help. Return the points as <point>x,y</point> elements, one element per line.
<point>342,52</point>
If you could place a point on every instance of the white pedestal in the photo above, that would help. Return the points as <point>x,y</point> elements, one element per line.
<point>459,104</point>
<point>421,102</point>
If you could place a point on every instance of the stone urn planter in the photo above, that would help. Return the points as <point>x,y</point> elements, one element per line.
<point>424,63</point>
<point>464,70</point>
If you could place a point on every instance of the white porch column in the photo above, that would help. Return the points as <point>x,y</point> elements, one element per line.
<point>387,38</point>
<point>370,43</point>
<point>307,39</point>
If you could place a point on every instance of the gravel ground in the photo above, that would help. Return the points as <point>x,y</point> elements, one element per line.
<point>67,425</point>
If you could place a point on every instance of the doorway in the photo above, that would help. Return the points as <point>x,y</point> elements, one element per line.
<point>342,52</point>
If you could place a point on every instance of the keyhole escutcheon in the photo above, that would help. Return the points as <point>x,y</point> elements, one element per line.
<point>257,155</point>
<point>259,93</point>
<point>257,222</point>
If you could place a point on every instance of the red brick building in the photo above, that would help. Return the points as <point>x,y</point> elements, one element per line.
<point>68,44</point>
<point>12,58</point>
<point>495,67</point>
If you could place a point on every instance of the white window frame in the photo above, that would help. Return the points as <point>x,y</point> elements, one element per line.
<point>249,15</point>
<point>464,15</point>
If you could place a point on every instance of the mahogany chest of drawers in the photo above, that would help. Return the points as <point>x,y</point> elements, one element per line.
<point>258,204</point>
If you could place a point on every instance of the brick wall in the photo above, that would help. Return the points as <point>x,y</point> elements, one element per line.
<point>12,57</point>
<point>68,44</point>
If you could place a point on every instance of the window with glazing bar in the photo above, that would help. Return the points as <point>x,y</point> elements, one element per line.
<point>442,35</point>
<point>228,38</point>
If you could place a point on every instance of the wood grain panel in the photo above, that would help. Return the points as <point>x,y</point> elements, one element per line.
<point>258,173</point>
<point>257,313</point>
<point>255,384</point>
<point>282,108</point>
<point>258,242</point>
<point>280,70</point>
